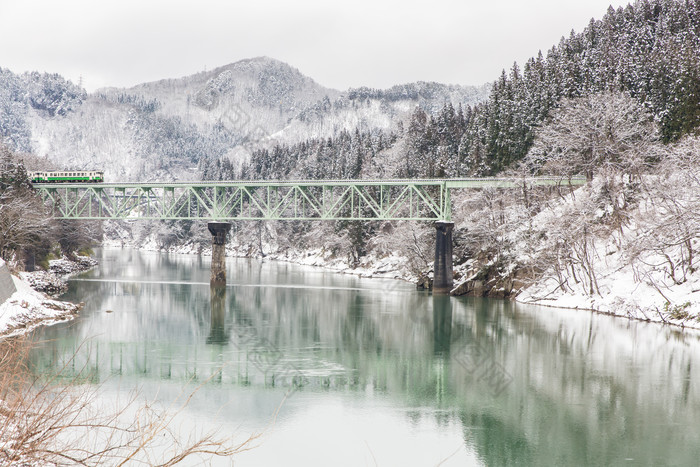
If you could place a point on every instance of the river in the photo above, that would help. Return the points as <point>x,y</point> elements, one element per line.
<point>374,372</point>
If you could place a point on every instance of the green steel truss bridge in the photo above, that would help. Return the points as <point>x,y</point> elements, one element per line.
<point>410,199</point>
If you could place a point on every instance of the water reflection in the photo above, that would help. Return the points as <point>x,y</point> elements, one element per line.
<point>583,388</point>
<point>442,324</point>
<point>217,330</point>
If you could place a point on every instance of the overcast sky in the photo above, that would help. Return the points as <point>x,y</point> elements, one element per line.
<point>376,43</point>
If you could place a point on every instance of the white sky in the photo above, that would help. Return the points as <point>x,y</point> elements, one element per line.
<point>376,43</point>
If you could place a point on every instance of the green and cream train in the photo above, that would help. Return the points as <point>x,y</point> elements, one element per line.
<point>68,176</point>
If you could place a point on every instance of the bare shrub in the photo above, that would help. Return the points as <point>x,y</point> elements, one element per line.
<point>415,241</point>
<point>669,228</point>
<point>46,421</point>
<point>24,224</point>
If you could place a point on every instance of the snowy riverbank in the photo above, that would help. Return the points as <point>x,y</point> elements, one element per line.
<point>31,305</point>
<point>28,308</point>
<point>645,268</point>
<point>621,293</point>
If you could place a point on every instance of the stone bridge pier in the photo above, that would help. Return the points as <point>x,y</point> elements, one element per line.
<point>442,270</point>
<point>219,231</point>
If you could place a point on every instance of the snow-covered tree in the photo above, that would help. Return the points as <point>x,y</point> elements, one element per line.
<point>602,133</point>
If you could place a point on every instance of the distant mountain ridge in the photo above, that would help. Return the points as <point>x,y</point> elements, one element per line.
<point>163,129</point>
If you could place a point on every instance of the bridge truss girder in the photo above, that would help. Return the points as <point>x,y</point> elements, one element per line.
<point>420,201</point>
<point>415,200</point>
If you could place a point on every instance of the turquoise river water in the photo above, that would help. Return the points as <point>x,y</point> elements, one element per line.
<point>374,372</point>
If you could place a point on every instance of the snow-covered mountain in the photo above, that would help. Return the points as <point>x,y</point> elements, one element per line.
<point>163,129</point>
<point>254,92</point>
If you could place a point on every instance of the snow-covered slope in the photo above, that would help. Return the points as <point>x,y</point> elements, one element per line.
<point>7,286</point>
<point>27,309</point>
<point>643,269</point>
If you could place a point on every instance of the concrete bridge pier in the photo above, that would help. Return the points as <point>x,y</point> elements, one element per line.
<point>218,230</point>
<point>442,269</point>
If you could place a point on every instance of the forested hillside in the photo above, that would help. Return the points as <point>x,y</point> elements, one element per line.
<point>650,50</point>
<point>48,95</point>
<point>30,236</point>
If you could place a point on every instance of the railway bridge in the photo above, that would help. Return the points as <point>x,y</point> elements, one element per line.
<point>222,202</point>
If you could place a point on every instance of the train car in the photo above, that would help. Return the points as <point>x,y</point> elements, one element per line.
<point>67,176</point>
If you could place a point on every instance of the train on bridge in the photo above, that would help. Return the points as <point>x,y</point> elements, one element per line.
<point>67,176</point>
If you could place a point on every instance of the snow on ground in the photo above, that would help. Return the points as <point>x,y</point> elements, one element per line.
<point>622,295</point>
<point>30,306</point>
<point>638,289</point>
<point>621,292</point>
<point>27,309</point>
<point>66,267</point>
<point>371,265</point>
